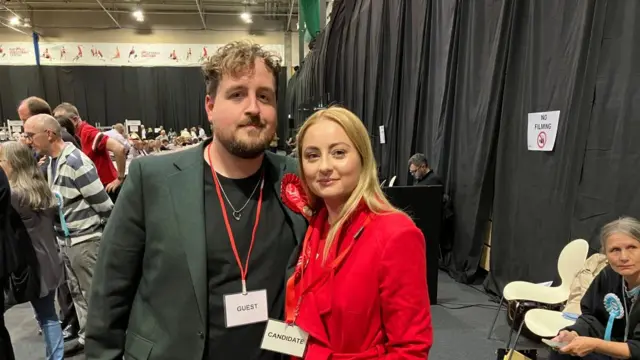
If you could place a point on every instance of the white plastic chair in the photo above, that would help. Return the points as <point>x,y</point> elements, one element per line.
<point>570,261</point>
<point>393,181</point>
<point>546,323</point>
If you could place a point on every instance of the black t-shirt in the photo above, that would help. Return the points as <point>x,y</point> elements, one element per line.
<point>272,248</point>
<point>430,179</point>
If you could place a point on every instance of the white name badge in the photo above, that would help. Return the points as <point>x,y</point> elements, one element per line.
<point>249,308</point>
<point>283,338</point>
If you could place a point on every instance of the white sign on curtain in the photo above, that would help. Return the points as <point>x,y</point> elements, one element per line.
<point>542,130</point>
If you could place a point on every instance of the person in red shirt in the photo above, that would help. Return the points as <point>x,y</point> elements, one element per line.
<point>359,290</point>
<point>97,146</point>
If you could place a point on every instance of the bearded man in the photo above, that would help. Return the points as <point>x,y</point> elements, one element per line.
<point>197,233</point>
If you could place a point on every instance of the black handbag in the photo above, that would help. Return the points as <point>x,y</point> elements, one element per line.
<point>22,281</point>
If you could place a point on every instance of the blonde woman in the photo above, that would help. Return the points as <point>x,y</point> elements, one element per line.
<point>34,201</point>
<point>360,288</point>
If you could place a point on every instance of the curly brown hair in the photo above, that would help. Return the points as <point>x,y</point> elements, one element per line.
<point>235,59</point>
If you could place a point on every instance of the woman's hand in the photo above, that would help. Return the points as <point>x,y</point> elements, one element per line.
<point>580,346</point>
<point>565,336</point>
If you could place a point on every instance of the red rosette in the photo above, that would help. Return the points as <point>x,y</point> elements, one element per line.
<point>294,196</point>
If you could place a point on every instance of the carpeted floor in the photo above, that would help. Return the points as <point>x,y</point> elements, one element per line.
<point>460,330</point>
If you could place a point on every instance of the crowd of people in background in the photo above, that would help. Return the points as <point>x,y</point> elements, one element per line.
<point>85,168</point>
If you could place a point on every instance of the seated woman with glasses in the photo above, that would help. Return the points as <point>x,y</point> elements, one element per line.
<point>616,288</point>
<point>360,288</point>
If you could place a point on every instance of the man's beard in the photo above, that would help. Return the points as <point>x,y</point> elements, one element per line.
<point>242,149</point>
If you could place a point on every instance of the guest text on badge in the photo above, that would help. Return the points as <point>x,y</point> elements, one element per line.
<point>246,309</point>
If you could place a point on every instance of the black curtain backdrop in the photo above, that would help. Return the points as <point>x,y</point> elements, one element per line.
<point>169,96</point>
<point>456,80</point>
<point>553,58</point>
<point>610,172</point>
<point>461,122</point>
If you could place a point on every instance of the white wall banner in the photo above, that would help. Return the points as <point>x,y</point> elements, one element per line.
<point>17,53</point>
<point>108,54</point>
<point>112,54</point>
<point>542,130</point>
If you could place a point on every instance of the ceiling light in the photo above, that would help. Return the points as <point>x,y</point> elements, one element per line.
<point>15,20</point>
<point>137,14</point>
<point>249,21</point>
<point>245,16</point>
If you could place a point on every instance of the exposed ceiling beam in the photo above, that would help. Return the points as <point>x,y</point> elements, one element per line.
<point>204,23</point>
<point>108,13</point>
<point>156,12</point>
<point>290,14</point>
<point>12,27</point>
<point>204,4</point>
<point>12,12</point>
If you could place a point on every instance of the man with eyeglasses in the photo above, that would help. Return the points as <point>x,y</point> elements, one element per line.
<point>422,174</point>
<point>27,108</point>
<point>85,208</point>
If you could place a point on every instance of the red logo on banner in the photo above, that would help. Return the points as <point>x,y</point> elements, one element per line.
<point>18,51</point>
<point>150,54</point>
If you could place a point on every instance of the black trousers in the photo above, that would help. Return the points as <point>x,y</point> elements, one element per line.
<point>6,350</point>
<point>68,316</point>
<point>557,356</point>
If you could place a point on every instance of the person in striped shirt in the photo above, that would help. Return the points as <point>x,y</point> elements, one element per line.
<point>85,205</point>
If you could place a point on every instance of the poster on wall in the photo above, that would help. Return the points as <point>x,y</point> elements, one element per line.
<point>17,53</point>
<point>542,130</point>
<point>112,54</point>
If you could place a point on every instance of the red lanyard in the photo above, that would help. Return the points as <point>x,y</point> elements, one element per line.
<point>326,272</point>
<point>243,269</point>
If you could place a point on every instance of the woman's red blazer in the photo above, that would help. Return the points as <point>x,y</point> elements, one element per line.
<point>375,305</point>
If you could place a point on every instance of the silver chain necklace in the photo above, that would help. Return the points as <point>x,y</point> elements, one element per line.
<point>237,214</point>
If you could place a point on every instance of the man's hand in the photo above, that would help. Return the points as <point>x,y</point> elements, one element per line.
<point>42,160</point>
<point>580,346</point>
<point>113,186</point>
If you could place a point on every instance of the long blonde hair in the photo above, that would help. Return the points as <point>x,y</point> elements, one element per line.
<point>368,189</point>
<point>25,178</point>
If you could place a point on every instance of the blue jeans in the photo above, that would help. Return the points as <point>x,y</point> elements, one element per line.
<point>45,310</point>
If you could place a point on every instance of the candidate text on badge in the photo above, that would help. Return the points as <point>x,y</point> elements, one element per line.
<point>282,337</point>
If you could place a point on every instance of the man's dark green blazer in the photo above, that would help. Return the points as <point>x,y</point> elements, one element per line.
<point>149,293</point>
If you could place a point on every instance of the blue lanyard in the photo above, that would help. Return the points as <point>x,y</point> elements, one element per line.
<point>63,223</point>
